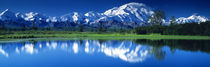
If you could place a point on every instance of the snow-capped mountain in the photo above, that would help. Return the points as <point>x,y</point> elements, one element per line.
<point>8,15</point>
<point>11,16</point>
<point>72,17</point>
<point>191,19</point>
<point>131,12</point>
<point>129,15</point>
<point>32,16</point>
<point>92,16</point>
<point>52,19</point>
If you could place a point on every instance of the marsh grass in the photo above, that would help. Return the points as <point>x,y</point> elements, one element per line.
<point>68,34</point>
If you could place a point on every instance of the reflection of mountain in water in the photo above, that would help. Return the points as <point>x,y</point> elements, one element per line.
<point>126,50</point>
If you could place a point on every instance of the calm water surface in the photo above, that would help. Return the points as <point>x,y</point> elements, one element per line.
<point>105,53</point>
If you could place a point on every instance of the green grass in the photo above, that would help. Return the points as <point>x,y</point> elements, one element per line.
<point>90,35</point>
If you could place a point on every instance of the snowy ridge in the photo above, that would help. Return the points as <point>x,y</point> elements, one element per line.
<point>191,19</point>
<point>92,16</point>
<point>133,14</point>
<point>72,17</point>
<point>52,19</point>
<point>8,15</point>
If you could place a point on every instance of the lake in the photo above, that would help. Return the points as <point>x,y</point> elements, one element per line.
<point>104,53</point>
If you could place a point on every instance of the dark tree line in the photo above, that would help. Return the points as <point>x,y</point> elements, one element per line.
<point>101,27</point>
<point>174,28</point>
<point>178,29</point>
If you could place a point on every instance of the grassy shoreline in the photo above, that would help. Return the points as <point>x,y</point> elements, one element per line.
<point>66,34</point>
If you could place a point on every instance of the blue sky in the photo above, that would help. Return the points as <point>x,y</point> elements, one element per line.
<point>178,8</point>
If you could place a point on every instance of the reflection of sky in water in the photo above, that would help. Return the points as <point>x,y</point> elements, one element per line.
<point>125,50</point>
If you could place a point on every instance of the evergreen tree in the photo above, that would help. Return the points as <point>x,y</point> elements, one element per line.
<point>24,27</point>
<point>91,30</point>
<point>34,26</point>
<point>3,26</point>
<point>105,29</point>
<point>81,28</point>
<point>173,20</point>
<point>48,28</point>
<point>206,26</point>
<point>157,18</point>
<point>121,30</point>
<point>100,26</point>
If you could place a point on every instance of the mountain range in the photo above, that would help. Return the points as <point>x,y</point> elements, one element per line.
<point>128,15</point>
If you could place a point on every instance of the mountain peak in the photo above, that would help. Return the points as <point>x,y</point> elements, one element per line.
<point>75,16</point>
<point>131,12</point>
<point>72,17</point>
<point>193,18</point>
<point>90,14</point>
<point>30,16</point>
<point>52,19</point>
<point>4,12</point>
<point>134,4</point>
<point>8,15</point>
<point>33,16</point>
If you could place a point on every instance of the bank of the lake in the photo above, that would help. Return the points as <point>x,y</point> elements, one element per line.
<point>67,34</point>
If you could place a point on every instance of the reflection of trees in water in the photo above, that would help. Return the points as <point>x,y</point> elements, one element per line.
<point>173,50</point>
<point>187,45</point>
<point>158,53</point>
